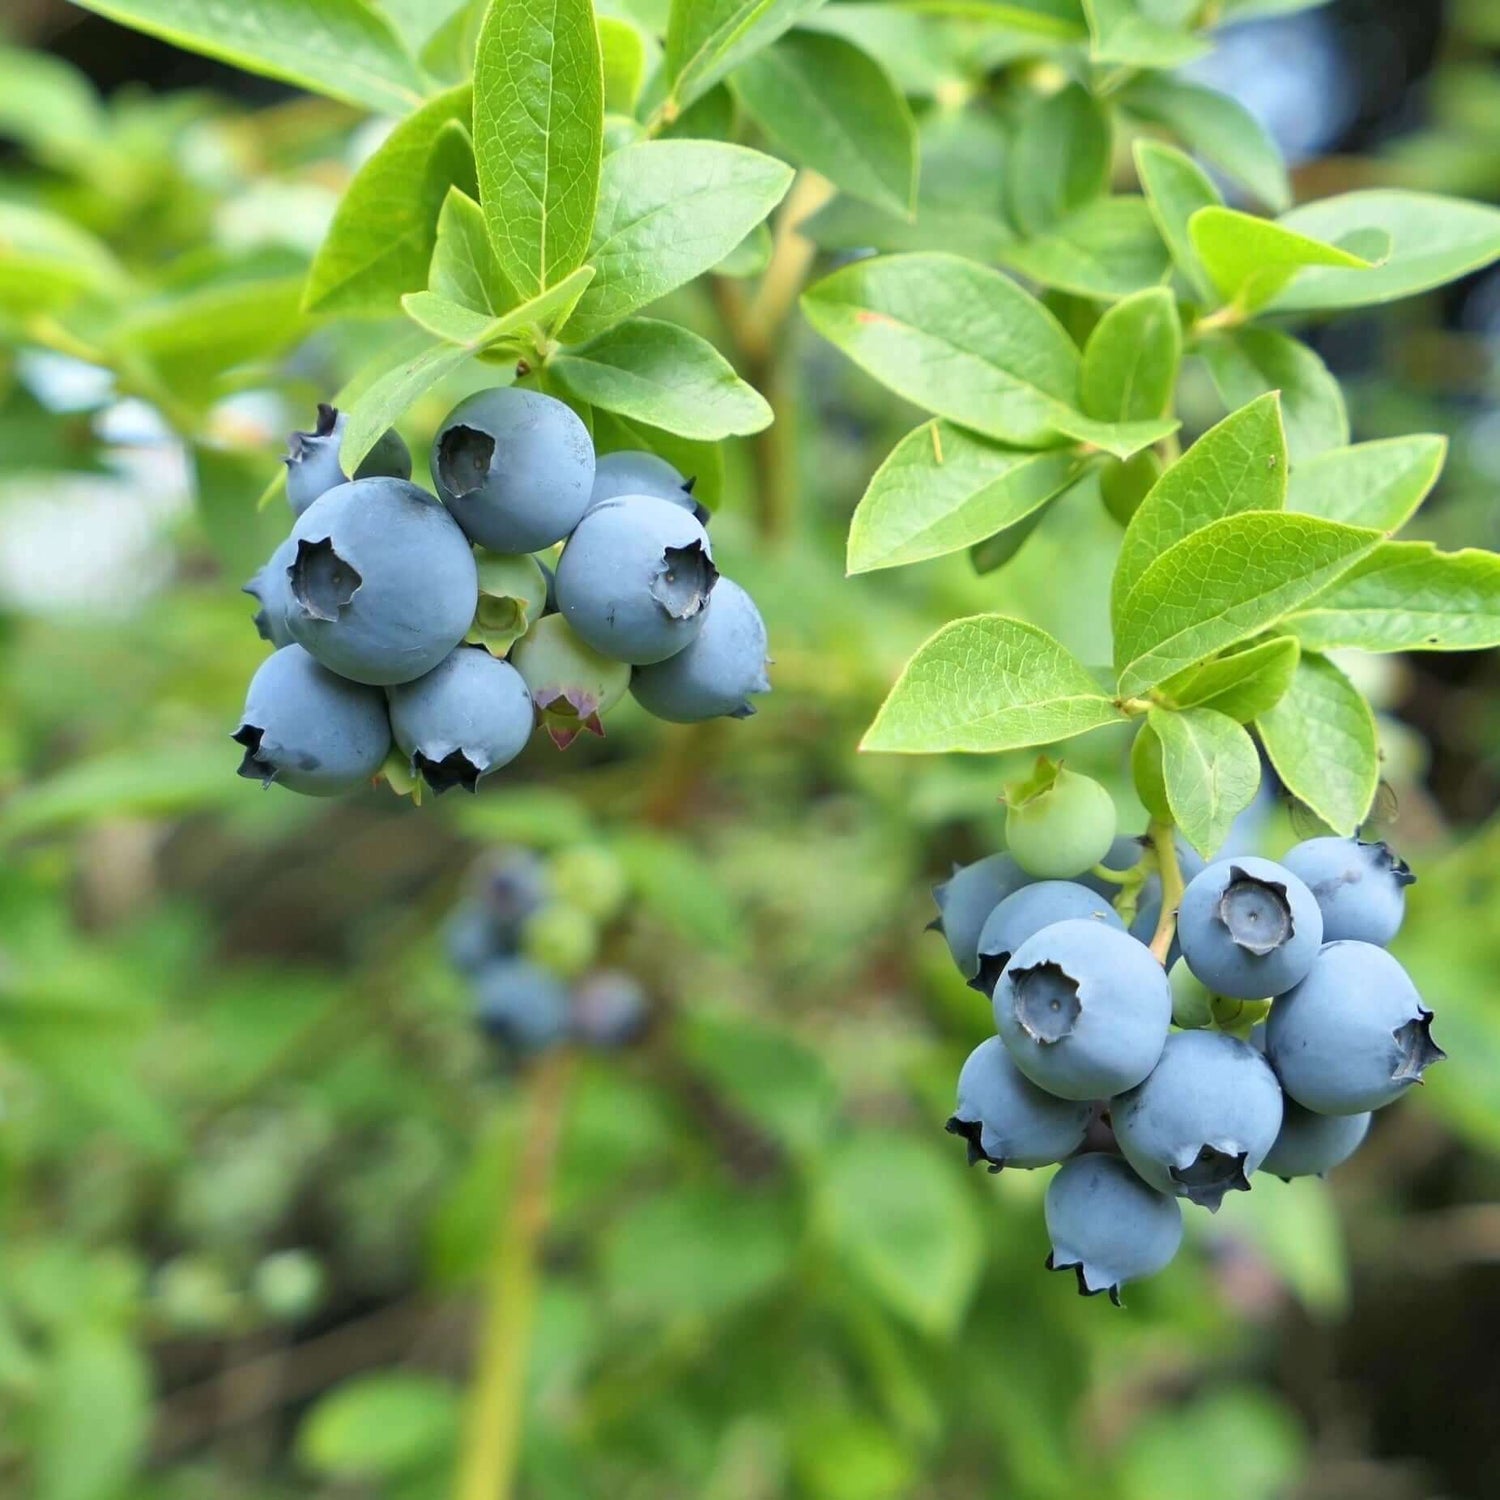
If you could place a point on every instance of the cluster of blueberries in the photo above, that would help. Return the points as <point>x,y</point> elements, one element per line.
<point>525,936</point>
<point>431,622</point>
<point>1282,1025</point>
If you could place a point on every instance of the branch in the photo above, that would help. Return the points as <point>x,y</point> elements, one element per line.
<point>1160,835</point>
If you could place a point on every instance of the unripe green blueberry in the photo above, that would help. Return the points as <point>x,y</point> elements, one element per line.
<point>590,878</point>
<point>561,939</point>
<point>289,1284</point>
<point>1058,823</point>
<point>1192,1004</point>
<point>1124,483</point>
<point>572,685</point>
<point>194,1295</point>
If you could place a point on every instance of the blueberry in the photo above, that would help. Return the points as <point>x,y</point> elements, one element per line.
<point>271,588</point>
<point>1058,823</point>
<point>1203,1120</point>
<point>1353,1035</point>
<point>716,674</point>
<point>639,473</point>
<point>1311,1144</point>
<point>609,1010</point>
<point>309,730</point>
<point>635,579</point>
<point>1007,1120</point>
<point>520,1005</point>
<point>467,717</point>
<point>383,584</point>
<point>1249,928</point>
<point>510,888</point>
<point>967,898</point>
<point>561,938</point>
<point>591,877</point>
<point>572,685</point>
<point>312,464</point>
<point>1024,913</point>
<point>1124,854</point>
<point>1360,888</point>
<point>471,939</point>
<point>512,597</point>
<point>1083,1009</point>
<point>1108,1226</point>
<point>1192,1003</point>
<point>515,468</point>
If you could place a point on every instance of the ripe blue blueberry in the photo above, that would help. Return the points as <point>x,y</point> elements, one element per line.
<point>1083,1008</point>
<point>1007,1120</point>
<point>609,1009</point>
<point>312,464</point>
<point>471,939</point>
<point>467,717</point>
<point>1311,1144</point>
<point>1249,928</point>
<point>572,685</point>
<point>1204,1119</point>
<point>507,891</point>
<point>520,1005</point>
<point>515,468</point>
<point>1353,1035</point>
<point>311,731</point>
<point>383,584</point>
<point>718,672</point>
<point>271,588</point>
<point>1107,1226</point>
<point>639,473</point>
<point>966,899</point>
<point>1023,914</point>
<point>635,579</point>
<point>1360,888</point>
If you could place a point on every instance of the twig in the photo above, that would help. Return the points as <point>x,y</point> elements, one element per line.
<point>1160,835</point>
<point>492,1432</point>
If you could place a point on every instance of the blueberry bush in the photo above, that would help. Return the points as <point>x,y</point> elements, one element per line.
<point>1092,406</point>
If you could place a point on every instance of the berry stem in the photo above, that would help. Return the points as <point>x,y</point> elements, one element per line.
<point>1111,877</point>
<point>492,1431</point>
<point>1160,835</point>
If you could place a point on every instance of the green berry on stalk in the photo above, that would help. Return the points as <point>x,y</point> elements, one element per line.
<point>591,879</point>
<point>1192,1004</point>
<point>512,596</point>
<point>561,939</point>
<point>571,684</point>
<point>1058,823</point>
<point>289,1284</point>
<point>1125,482</point>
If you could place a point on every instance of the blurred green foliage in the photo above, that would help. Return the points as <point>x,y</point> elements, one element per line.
<point>251,1153</point>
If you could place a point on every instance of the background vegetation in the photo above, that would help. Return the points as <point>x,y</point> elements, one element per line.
<point>252,1155</point>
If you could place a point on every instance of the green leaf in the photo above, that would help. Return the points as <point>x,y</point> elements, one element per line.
<point>703,463</point>
<point>1249,260</point>
<point>1408,596</point>
<point>1431,240</point>
<point>47,262</point>
<point>1210,769</point>
<point>1321,740</point>
<point>1377,484</point>
<point>959,339</point>
<point>1217,128</point>
<point>340,48</point>
<point>832,107</point>
<point>900,1219</point>
<point>380,241</point>
<point>847,224</point>
<point>464,268</point>
<point>242,536</point>
<point>989,683</point>
<point>706,39</point>
<point>538,135</point>
<point>661,374</point>
<point>1107,249</point>
<point>943,489</point>
<point>668,211</point>
<point>1130,361</point>
<point>1243,684</point>
<point>1237,466</point>
<point>1176,187</point>
<point>1249,362</point>
<point>49,106</point>
<point>1123,36</point>
<point>450,321</point>
<point>623,52</point>
<point>1224,583</point>
<point>376,1426</point>
<point>384,400</point>
<point>1060,155</point>
<point>96,1382</point>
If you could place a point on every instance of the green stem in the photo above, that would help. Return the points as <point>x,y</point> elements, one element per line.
<point>492,1431</point>
<point>1167,864</point>
<point>1111,877</point>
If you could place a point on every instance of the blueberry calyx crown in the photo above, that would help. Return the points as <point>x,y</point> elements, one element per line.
<point>1211,1174</point>
<point>253,767</point>
<point>1386,858</point>
<point>1047,1002</point>
<point>1084,1289</point>
<point>464,458</point>
<point>973,1133</point>
<point>454,769</point>
<point>301,443</point>
<point>1256,913</point>
<point>323,584</point>
<point>1416,1050</point>
<point>684,580</point>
